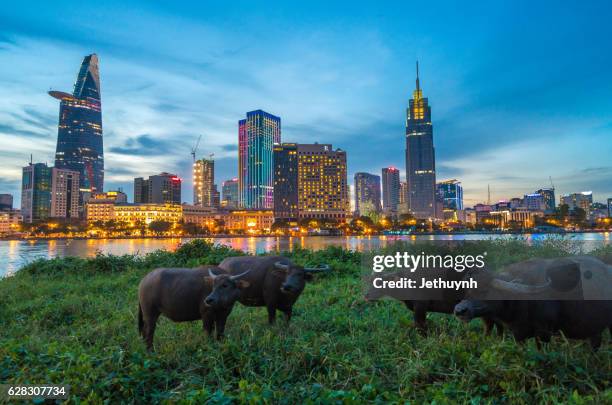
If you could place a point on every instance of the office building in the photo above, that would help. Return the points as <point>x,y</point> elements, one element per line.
<point>322,190</point>
<point>420,156</point>
<point>79,135</point>
<point>367,193</point>
<point>581,200</point>
<point>229,194</point>
<point>204,182</point>
<point>36,192</point>
<point>257,135</point>
<point>286,201</point>
<point>534,202</point>
<point>391,190</point>
<point>548,194</point>
<point>164,188</point>
<point>6,202</point>
<point>450,192</point>
<point>64,193</point>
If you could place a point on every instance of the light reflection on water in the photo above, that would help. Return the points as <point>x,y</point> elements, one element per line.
<point>16,253</point>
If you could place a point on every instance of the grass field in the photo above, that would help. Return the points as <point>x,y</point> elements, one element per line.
<point>73,321</point>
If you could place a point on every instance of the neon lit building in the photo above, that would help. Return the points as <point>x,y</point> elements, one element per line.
<point>79,134</point>
<point>420,156</point>
<point>257,135</point>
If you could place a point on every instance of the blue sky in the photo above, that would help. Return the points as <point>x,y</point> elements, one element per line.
<point>519,91</point>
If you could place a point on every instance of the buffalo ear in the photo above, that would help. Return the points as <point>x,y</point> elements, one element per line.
<point>308,276</point>
<point>242,284</point>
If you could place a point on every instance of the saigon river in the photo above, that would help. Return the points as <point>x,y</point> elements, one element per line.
<point>16,253</point>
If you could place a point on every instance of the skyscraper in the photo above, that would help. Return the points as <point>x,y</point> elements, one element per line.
<point>79,135</point>
<point>229,191</point>
<point>64,193</point>
<point>163,188</point>
<point>450,193</point>
<point>549,198</point>
<point>310,182</point>
<point>204,182</point>
<point>257,135</point>
<point>367,193</point>
<point>391,190</point>
<point>420,156</point>
<point>36,192</point>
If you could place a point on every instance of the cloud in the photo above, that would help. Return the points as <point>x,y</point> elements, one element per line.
<point>230,147</point>
<point>143,145</point>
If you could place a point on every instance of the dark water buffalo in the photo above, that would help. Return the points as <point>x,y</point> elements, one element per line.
<point>571,295</point>
<point>274,282</point>
<point>184,295</point>
<point>424,301</point>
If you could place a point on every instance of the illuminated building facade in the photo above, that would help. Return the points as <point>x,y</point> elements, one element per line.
<point>391,190</point>
<point>534,202</point>
<point>549,199</point>
<point>233,221</point>
<point>450,193</point>
<point>229,194</point>
<point>286,181</point>
<point>64,193</point>
<point>322,183</point>
<point>257,135</point>
<point>367,193</point>
<point>420,156</point>
<point>79,135</point>
<point>581,200</point>
<point>36,192</point>
<point>164,188</point>
<point>133,213</point>
<point>203,182</point>
<point>9,222</point>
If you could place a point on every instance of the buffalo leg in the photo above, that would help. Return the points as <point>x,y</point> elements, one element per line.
<point>208,323</point>
<point>271,314</point>
<point>420,316</point>
<point>595,341</point>
<point>288,313</point>
<point>220,320</point>
<point>150,322</point>
<point>488,324</point>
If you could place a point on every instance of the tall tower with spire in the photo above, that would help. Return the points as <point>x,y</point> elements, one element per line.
<point>420,156</point>
<point>79,134</point>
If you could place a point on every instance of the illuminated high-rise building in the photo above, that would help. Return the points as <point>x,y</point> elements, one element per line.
<point>310,180</point>
<point>420,156</point>
<point>204,183</point>
<point>390,190</point>
<point>36,192</point>
<point>549,199</point>
<point>64,193</point>
<point>367,193</point>
<point>79,135</point>
<point>257,135</point>
<point>450,193</point>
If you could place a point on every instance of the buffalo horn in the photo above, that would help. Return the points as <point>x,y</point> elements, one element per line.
<point>512,286</point>
<point>211,274</point>
<point>322,268</point>
<point>281,266</point>
<point>237,276</point>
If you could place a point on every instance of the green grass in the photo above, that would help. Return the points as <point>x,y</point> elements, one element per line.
<point>73,321</point>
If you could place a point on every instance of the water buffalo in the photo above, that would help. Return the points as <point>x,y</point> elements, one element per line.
<point>424,301</point>
<point>540,297</point>
<point>274,282</point>
<point>184,295</point>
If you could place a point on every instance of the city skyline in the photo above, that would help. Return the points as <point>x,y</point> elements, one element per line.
<point>494,115</point>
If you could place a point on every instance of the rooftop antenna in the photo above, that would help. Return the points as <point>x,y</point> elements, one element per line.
<point>195,149</point>
<point>417,78</point>
<point>488,194</point>
<point>31,160</point>
<point>210,156</point>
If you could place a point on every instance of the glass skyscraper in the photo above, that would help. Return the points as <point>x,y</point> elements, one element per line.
<point>79,135</point>
<point>36,192</point>
<point>391,190</point>
<point>420,156</point>
<point>367,193</point>
<point>257,135</point>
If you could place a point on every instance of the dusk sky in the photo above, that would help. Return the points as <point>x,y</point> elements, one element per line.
<point>519,91</point>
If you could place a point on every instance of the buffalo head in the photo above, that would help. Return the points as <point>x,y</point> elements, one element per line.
<point>226,289</point>
<point>295,276</point>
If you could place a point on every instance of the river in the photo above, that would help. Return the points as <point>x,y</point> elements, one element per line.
<point>16,253</point>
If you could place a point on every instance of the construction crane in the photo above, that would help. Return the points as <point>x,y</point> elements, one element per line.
<point>195,149</point>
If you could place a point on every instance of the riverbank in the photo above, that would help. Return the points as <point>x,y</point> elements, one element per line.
<point>73,321</point>
<point>564,232</point>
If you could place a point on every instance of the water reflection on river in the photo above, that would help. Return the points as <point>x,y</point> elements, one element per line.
<point>16,253</point>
